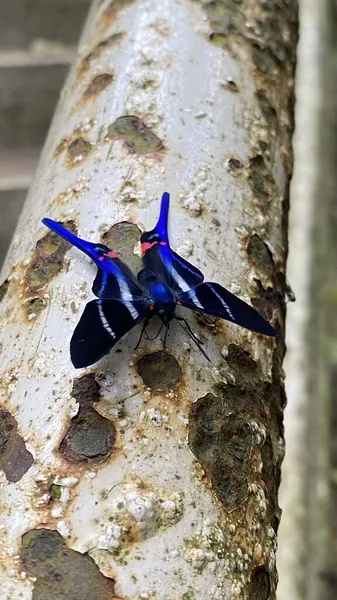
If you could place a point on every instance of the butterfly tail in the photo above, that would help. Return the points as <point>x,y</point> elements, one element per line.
<point>161,227</point>
<point>86,247</point>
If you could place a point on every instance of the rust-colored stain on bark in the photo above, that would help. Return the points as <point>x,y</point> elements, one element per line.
<point>15,459</point>
<point>109,15</point>
<point>98,84</point>
<point>60,571</point>
<point>90,437</point>
<point>98,50</point>
<point>160,371</point>
<point>61,147</point>
<point>137,137</point>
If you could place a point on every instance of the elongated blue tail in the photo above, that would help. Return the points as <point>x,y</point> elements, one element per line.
<point>161,226</point>
<point>86,247</point>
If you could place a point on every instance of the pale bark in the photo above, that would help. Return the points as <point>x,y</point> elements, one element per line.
<point>173,493</point>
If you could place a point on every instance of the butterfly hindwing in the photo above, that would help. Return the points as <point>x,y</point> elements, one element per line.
<point>158,258</point>
<point>101,325</point>
<point>213,299</point>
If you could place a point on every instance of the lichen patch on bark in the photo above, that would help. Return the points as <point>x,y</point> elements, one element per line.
<point>137,137</point>
<point>160,371</point>
<point>15,459</point>
<point>122,239</point>
<point>91,437</point>
<point>60,571</point>
<point>230,430</point>
<point>223,444</point>
<point>77,151</point>
<point>47,262</point>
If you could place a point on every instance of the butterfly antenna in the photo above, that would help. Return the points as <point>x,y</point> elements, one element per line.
<point>190,333</point>
<point>141,334</point>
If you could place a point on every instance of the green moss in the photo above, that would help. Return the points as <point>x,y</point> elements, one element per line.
<point>55,491</point>
<point>35,306</point>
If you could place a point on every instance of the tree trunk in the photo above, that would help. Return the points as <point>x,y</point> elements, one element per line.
<point>153,475</point>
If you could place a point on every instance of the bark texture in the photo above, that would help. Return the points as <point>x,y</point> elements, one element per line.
<point>154,474</point>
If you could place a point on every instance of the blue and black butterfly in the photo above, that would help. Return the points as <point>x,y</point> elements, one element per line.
<point>167,280</point>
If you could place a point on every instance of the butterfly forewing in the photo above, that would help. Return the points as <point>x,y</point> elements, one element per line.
<point>101,325</point>
<point>213,299</point>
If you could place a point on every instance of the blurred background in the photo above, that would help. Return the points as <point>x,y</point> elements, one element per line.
<point>38,41</point>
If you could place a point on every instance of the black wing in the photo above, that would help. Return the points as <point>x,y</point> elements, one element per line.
<point>213,299</point>
<point>101,325</point>
<point>158,258</point>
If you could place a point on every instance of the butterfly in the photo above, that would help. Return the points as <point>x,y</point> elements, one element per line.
<point>167,280</point>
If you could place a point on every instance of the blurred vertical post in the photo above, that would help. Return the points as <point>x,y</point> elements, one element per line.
<point>153,474</point>
<point>306,561</point>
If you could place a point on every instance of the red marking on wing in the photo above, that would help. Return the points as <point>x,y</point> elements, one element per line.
<point>147,245</point>
<point>111,254</point>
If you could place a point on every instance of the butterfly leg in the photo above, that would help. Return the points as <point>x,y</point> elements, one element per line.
<point>193,337</point>
<point>146,321</point>
<point>154,337</point>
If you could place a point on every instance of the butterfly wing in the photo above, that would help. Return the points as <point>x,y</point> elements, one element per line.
<point>213,299</point>
<point>101,325</point>
<point>160,260</point>
<point>114,279</point>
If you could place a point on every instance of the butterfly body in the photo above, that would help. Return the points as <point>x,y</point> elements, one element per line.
<point>167,280</point>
